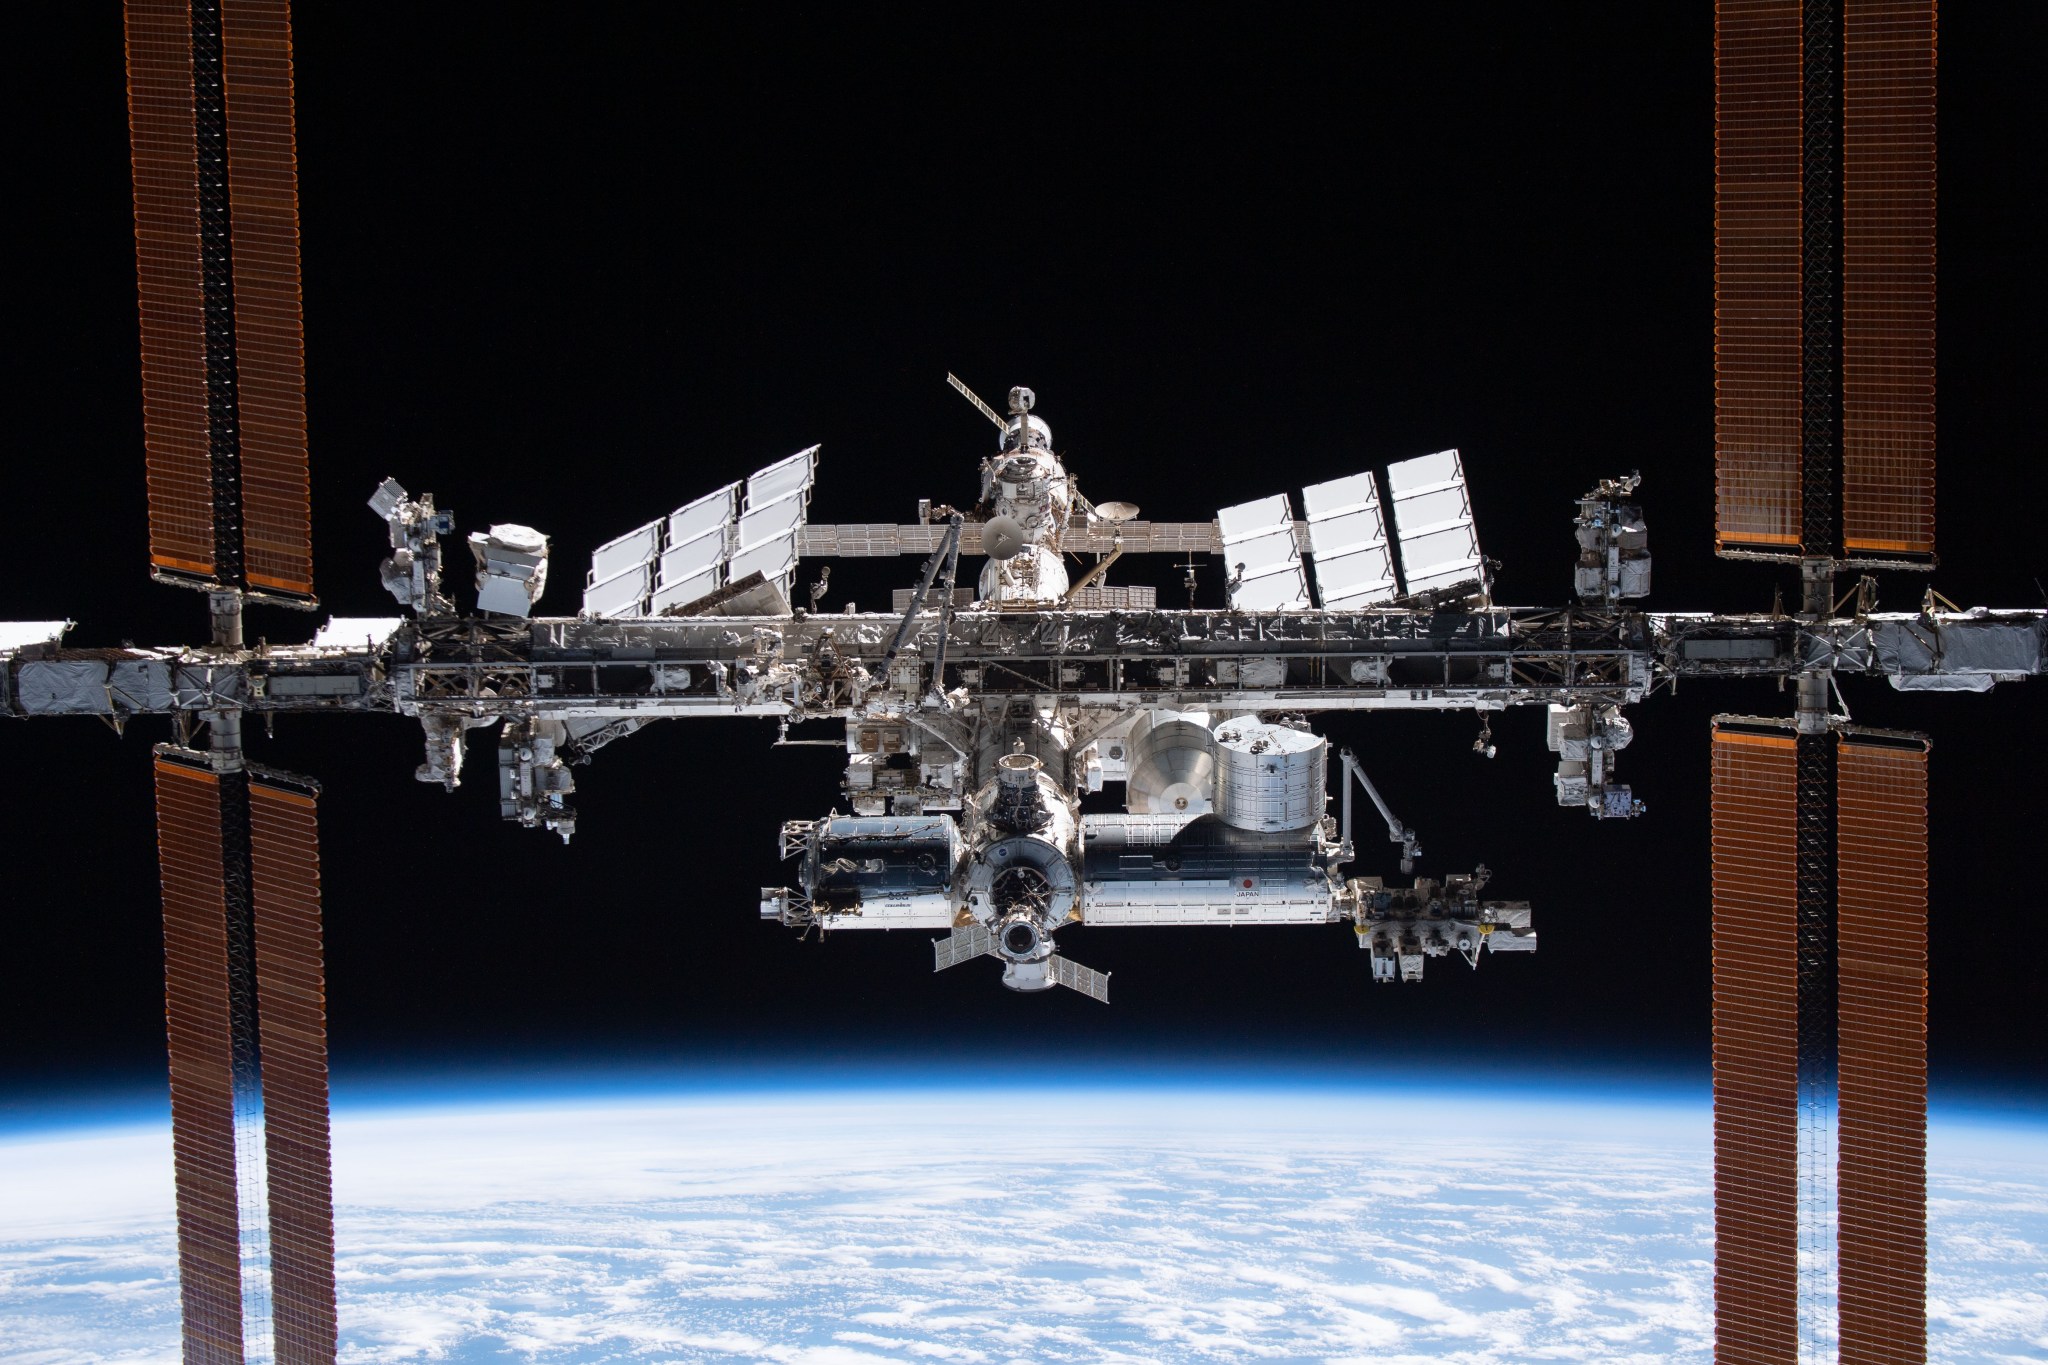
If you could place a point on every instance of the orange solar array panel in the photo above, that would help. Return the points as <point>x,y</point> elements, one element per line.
<point>196,1010</point>
<point>1882,887</point>
<point>1888,66</point>
<point>1756,1065</point>
<point>1757,366</point>
<point>165,159</point>
<point>291,983</point>
<point>270,358</point>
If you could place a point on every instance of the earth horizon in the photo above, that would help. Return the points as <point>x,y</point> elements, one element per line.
<point>823,1218</point>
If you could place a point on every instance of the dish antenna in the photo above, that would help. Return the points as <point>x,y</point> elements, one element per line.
<point>1002,538</point>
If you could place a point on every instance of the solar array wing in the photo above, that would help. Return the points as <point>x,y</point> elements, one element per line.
<point>1755,1044</point>
<point>1820,1040</point>
<point>778,497</point>
<point>623,594</point>
<point>1075,977</point>
<point>1757,275</point>
<point>1258,538</point>
<point>772,559</point>
<point>1824,234</point>
<point>962,945</point>
<point>199,1014</point>
<point>783,478</point>
<point>631,550</point>
<point>211,137</point>
<point>712,512</point>
<point>245,1001</point>
<point>1881,880</point>
<point>270,354</point>
<point>698,536</point>
<point>163,145</point>
<point>622,573</point>
<point>705,544</point>
<point>681,590</point>
<point>692,558</point>
<point>1347,532</point>
<point>291,990</point>
<point>769,520</point>
<point>1888,78</point>
<point>1433,519</point>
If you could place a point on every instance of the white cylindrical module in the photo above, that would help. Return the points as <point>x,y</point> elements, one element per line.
<point>1035,573</point>
<point>1170,869</point>
<point>1269,777</point>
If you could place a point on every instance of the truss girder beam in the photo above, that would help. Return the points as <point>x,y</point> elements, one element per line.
<point>826,665</point>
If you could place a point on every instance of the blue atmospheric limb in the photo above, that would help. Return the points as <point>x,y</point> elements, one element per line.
<point>873,1213</point>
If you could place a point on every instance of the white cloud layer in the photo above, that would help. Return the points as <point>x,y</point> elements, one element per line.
<point>984,1228</point>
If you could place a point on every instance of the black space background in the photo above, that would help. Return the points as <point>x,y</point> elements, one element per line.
<point>572,268</point>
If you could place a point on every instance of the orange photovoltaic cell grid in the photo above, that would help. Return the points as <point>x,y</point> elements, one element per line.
<point>270,355</point>
<point>202,1062</point>
<point>291,987</point>
<point>167,268</point>
<point>1756,1065</point>
<point>1888,62</point>
<point>1757,368</point>
<point>1881,877</point>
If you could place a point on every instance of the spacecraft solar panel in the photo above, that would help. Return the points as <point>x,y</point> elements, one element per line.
<point>623,594</point>
<point>689,558</point>
<point>1075,977</point>
<point>165,160</point>
<point>962,945</point>
<point>777,498</point>
<point>1757,298</point>
<point>689,570</point>
<point>712,512</point>
<point>681,592</point>
<point>766,521</point>
<point>1347,532</point>
<point>772,559</point>
<point>635,549</point>
<point>784,477</point>
<point>197,1009</point>
<point>291,988</point>
<point>1433,521</point>
<point>1881,887</point>
<point>1260,536</point>
<point>270,353</point>
<point>1888,79</point>
<point>1755,1045</point>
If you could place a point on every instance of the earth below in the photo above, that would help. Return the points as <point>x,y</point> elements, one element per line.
<point>1112,1222</point>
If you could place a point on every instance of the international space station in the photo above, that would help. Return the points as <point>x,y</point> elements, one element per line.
<point>977,714</point>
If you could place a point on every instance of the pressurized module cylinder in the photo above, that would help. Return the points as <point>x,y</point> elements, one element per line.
<point>1269,776</point>
<point>1172,765</point>
<point>866,861</point>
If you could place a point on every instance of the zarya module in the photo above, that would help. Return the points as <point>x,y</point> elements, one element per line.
<point>977,717</point>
